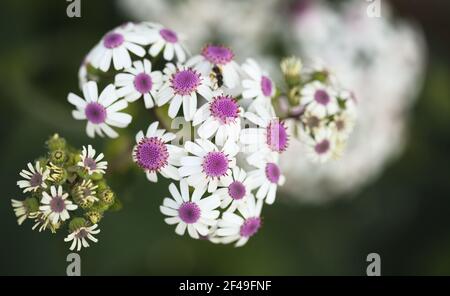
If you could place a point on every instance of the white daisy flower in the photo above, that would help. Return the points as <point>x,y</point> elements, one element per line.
<point>116,45</point>
<point>139,82</point>
<point>311,122</point>
<point>217,58</point>
<point>34,178</point>
<point>208,164</point>
<point>56,205</point>
<point>80,237</point>
<point>219,117</point>
<point>320,147</point>
<point>343,124</point>
<point>91,163</point>
<point>181,87</point>
<point>100,112</point>
<point>258,86</point>
<point>236,190</point>
<point>233,227</point>
<point>195,213</point>
<point>154,155</point>
<point>22,211</point>
<point>269,135</point>
<point>42,222</point>
<point>319,98</point>
<point>267,177</point>
<point>167,40</point>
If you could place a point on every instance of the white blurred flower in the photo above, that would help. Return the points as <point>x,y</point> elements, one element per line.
<point>382,61</point>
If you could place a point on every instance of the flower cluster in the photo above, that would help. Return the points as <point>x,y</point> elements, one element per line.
<point>66,185</point>
<point>321,113</point>
<point>228,168</point>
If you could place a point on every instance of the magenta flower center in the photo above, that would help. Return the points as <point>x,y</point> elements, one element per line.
<point>113,40</point>
<point>36,180</point>
<point>143,83</point>
<point>90,163</point>
<point>185,82</point>
<point>217,54</point>
<point>215,164</point>
<point>236,190</point>
<point>224,108</point>
<point>277,136</point>
<point>321,97</point>
<point>95,113</point>
<point>57,204</point>
<point>322,147</point>
<point>250,226</point>
<point>189,212</point>
<point>168,35</point>
<point>151,154</point>
<point>272,172</point>
<point>266,86</point>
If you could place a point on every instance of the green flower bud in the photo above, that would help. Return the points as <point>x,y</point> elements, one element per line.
<point>77,223</point>
<point>94,216</point>
<point>32,204</point>
<point>57,156</point>
<point>56,143</point>
<point>107,197</point>
<point>291,68</point>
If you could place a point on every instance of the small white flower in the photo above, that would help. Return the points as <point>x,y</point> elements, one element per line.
<point>319,98</point>
<point>34,178</point>
<point>42,221</point>
<point>168,40</point>
<point>235,190</point>
<point>154,155</point>
<point>208,164</point>
<point>195,213</point>
<point>267,177</point>
<point>21,211</point>
<point>258,86</point>
<point>232,227</point>
<point>91,163</point>
<point>217,58</point>
<point>80,237</point>
<point>139,82</point>
<point>343,124</point>
<point>181,87</point>
<point>115,46</point>
<point>320,147</point>
<point>56,205</point>
<point>100,112</point>
<point>269,135</point>
<point>219,117</point>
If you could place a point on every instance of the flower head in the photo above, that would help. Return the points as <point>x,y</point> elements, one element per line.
<point>217,58</point>
<point>154,154</point>
<point>219,117</point>
<point>191,212</point>
<point>34,178</point>
<point>91,163</point>
<point>80,236</point>
<point>56,205</point>
<point>239,226</point>
<point>102,111</point>
<point>139,81</point>
<point>208,164</point>
<point>116,46</point>
<point>182,86</point>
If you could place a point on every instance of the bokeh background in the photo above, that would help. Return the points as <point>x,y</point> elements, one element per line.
<point>403,213</point>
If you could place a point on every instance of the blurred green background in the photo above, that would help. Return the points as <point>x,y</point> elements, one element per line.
<point>404,216</point>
